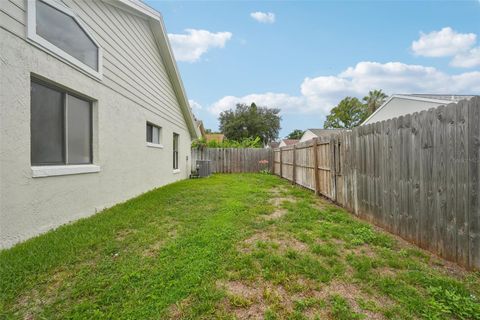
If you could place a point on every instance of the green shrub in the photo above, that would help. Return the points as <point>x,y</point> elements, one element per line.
<point>445,303</point>
<point>245,143</point>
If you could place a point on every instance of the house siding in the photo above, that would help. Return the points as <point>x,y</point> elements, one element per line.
<point>135,88</point>
<point>398,107</point>
<point>308,135</point>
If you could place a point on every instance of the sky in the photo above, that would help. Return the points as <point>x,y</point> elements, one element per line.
<point>304,57</point>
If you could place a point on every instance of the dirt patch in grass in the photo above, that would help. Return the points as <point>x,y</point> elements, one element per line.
<point>277,199</point>
<point>365,250</point>
<point>177,310</point>
<point>244,301</point>
<point>32,302</point>
<point>351,293</point>
<point>251,300</point>
<point>386,271</point>
<point>153,249</point>
<point>277,214</point>
<point>123,234</point>
<point>276,240</point>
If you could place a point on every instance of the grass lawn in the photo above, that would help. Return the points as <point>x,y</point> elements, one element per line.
<point>230,246</point>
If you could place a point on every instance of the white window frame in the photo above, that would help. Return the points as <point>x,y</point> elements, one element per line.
<point>45,45</point>
<point>160,136</point>
<point>63,170</point>
<point>42,171</point>
<point>177,169</point>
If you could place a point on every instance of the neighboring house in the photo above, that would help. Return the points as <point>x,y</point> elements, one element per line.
<point>92,111</point>
<point>287,142</point>
<point>218,137</point>
<point>201,128</point>
<point>318,133</point>
<point>402,104</point>
<point>272,145</point>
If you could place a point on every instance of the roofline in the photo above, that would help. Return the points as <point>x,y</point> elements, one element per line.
<point>163,44</point>
<point>408,97</point>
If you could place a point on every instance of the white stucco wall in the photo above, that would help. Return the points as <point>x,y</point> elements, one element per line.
<point>399,107</point>
<point>29,206</point>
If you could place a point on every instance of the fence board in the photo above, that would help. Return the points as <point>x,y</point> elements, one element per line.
<point>462,190</point>
<point>474,188</point>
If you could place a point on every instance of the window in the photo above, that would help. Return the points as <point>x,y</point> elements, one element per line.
<point>61,127</point>
<point>153,133</point>
<point>56,28</point>
<point>175,151</point>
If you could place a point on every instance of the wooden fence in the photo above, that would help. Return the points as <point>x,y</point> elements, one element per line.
<point>416,176</point>
<point>234,160</point>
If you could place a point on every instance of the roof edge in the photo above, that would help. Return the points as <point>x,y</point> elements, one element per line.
<point>402,96</point>
<point>163,44</point>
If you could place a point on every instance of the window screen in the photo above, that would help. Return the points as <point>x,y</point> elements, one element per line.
<point>79,130</point>
<point>153,133</point>
<point>61,127</point>
<point>175,151</point>
<point>63,31</point>
<point>46,125</point>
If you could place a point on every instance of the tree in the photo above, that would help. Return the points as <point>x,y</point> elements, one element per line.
<point>374,100</point>
<point>250,121</point>
<point>349,113</point>
<point>296,134</point>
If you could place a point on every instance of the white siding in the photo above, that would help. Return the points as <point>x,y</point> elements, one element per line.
<point>399,107</point>
<point>132,64</point>
<point>135,89</point>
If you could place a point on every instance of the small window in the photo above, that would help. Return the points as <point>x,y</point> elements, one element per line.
<point>153,133</point>
<point>61,127</point>
<point>55,27</point>
<point>175,151</point>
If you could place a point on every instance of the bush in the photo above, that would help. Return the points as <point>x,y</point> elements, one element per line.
<point>245,143</point>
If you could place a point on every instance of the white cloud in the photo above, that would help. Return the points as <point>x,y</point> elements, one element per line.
<point>444,43</point>
<point>468,59</point>
<point>195,105</point>
<point>320,94</point>
<point>191,46</point>
<point>278,100</point>
<point>263,17</point>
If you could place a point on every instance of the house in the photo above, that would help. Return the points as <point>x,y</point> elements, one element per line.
<point>272,145</point>
<point>92,109</point>
<point>318,133</point>
<point>402,104</point>
<point>287,142</point>
<point>200,128</point>
<point>218,137</point>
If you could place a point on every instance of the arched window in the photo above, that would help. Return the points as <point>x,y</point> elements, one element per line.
<point>56,28</point>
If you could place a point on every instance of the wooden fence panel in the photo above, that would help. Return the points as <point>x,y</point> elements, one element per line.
<point>235,160</point>
<point>417,176</point>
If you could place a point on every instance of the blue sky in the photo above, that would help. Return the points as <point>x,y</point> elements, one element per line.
<point>304,57</point>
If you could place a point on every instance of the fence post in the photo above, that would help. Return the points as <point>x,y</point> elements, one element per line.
<point>315,166</point>
<point>333,172</point>
<point>281,166</point>
<point>294,164</point>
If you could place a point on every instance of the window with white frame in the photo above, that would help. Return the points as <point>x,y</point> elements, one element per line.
<point>55,27</point>
<point>60,126</point>
<point>175,151</point>
<point>154,133</point>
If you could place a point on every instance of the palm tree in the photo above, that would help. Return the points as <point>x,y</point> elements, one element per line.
<point>374,100</point>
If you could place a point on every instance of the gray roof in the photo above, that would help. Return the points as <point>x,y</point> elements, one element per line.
<point>324,132</point>
<point>273,144</point>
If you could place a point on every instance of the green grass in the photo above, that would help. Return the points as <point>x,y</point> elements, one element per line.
<point>206,248</point>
